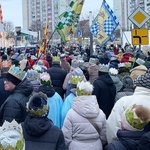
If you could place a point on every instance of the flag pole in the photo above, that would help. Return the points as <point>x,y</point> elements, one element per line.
<point>121,34</point>
<point>51,36</point>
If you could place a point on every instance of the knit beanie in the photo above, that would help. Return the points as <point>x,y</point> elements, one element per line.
<point>113,64</point>
<point>37,105</point>
<point>143,81</point>
<point>127,82</point>
<point>15,75</point>
<point>12,79</point>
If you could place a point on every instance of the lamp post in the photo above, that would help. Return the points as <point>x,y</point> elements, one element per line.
<point>91,36</point>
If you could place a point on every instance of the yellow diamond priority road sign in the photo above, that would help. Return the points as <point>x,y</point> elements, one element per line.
<point>139,17</point>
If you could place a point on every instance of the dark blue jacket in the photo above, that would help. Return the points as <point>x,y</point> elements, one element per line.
<point>3,93</point>
<point>127,140</point>
<point>41,134</point>
<point>57,75</point>
<point>14,106</point>
<point>144,143</point>
<point>116,145</point>
<point>105,92</point>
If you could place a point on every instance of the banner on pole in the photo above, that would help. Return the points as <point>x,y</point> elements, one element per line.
<point>104,24</point>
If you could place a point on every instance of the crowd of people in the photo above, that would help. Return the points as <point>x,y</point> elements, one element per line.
<point>74,100</point>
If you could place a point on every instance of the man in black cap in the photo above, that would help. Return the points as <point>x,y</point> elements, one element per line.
<point>20,88</point>
<point>4,93</point>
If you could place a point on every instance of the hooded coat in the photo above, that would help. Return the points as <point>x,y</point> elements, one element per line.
<point>93,73</point>
<point>55,103</point>
<point>35,83</point>
<point>65,65</point>
<point>128,140</point>
<point>141,96</point>
<point>105,92</point>
<point>57,75</point>
<point>79,133</point>
<point>3,92</point>
<point>116,82</point>
<point>124,92</point>
<point>15,105</point>
<point>67,105</point>
<point>41,134</point>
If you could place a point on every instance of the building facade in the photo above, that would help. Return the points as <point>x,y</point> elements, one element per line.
<point>41,12</point>
<point>124,8</point>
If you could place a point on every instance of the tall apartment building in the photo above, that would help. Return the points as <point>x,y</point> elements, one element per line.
<point>42,11</point>
<point>148,7</point>
<point>36,10</point>
<point>124,8</point>
<point>141,3</point>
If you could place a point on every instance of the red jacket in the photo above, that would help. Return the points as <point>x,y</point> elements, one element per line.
<point>31,62</point>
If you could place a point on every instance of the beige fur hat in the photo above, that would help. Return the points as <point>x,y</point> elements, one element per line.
<point>137,71</point>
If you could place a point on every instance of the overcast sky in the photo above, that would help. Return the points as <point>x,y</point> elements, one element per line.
<point>12,9</point>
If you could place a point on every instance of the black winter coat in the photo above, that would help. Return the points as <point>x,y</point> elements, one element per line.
<point>128,140</point>
<point>48,90</point>
<point>105,92</point>
<point>15,105</point>
<point>41,134</point>
<point>144,143</point>
<point>57,75</point>
<point>3,93</point>
<point>115,145</point>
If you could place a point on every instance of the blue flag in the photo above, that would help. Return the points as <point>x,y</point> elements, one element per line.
<point>104,24</point>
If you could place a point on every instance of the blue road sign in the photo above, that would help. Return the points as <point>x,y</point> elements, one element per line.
<point>79,32</point>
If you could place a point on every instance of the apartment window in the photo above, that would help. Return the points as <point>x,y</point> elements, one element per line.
<point>48,14</point>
